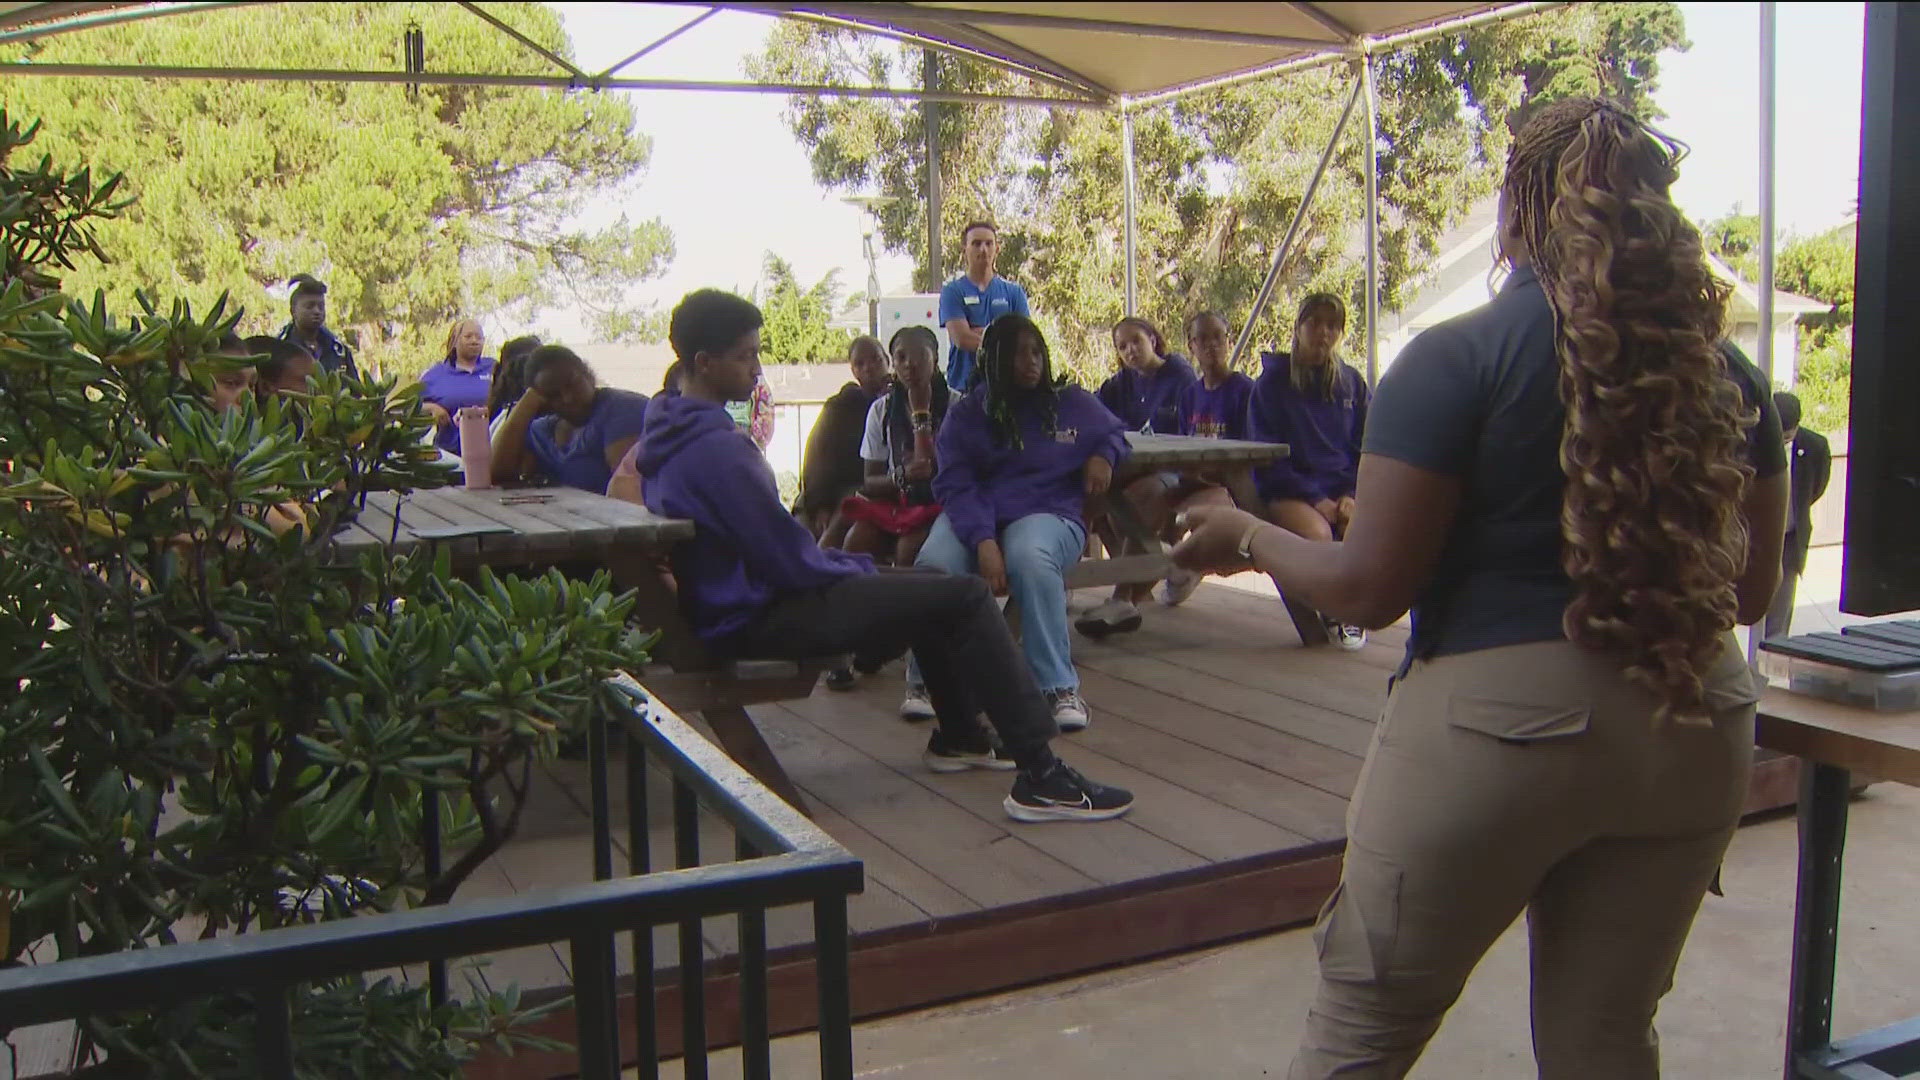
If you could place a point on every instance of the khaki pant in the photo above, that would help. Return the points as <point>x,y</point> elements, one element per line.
<point>1530,777</point>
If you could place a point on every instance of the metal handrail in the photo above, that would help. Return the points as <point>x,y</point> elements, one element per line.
<point>783,858</point>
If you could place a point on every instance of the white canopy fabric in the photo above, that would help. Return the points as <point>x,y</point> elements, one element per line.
<point>1119,51</point>
<point>1093,54</point>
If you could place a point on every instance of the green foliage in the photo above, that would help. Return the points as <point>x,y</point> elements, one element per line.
<point>1819,267</point>
<point>414,209</point>
<point>797,315</point>
<point>1220,174</point>
<point>210,725</point>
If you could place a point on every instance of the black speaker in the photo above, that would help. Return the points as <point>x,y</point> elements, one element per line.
<point>1882,564</point>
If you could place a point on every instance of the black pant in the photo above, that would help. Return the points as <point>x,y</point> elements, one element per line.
<point>967,656</point>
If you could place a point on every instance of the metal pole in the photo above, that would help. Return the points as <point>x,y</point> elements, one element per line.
<point>1373,222</point>
<point>1764,287</point>
<point>930,81</point>
<point>1293,229</point>
<point>1128,200</point>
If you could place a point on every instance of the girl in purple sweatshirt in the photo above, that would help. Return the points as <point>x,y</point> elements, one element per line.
<point>1018,460</point>
<point>1317,405</point>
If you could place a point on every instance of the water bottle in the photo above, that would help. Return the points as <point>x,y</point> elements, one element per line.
<point>476,446</point>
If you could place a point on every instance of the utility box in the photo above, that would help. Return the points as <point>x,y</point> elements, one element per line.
<point>913,310</point>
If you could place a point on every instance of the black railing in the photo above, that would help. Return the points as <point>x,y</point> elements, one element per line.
<point>781,859</point>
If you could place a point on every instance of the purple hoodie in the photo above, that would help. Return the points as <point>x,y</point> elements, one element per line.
<point>696,463</point>
<point>984,488</point>
<point>1219,412</point>
<point>1322,437</point>
<point>1149,403</point>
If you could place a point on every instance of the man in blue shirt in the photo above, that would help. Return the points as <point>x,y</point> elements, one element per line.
<point>970,303</point>
<point>308,329</point>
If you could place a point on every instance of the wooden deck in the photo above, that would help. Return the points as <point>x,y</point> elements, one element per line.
<point>1241,746</point>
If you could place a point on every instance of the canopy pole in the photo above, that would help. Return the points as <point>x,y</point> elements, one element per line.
<point>1764,287</point>
<point>1373,221</point>
<point>1293,229</point>
<point>1765,284</point>
<point>930,81</point>
<point>1128,201</point>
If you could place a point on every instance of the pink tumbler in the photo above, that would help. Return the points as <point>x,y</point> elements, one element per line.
<point>476,447</point>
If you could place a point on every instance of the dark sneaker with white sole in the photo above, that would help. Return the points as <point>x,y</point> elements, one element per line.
<point>944,755</point>
<point>1061,794</point>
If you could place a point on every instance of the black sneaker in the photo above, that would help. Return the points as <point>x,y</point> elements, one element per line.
<point>840,678</point>
<point>1062,794</point>
<point>944,755</point>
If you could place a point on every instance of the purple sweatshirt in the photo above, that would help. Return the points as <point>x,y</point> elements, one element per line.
<point>984,488</point>
<point>696,463</point>
<point>1323,437</point>
<point>1218,413</point>
<point>1149,403</point>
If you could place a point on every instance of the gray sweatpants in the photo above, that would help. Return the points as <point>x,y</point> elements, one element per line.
<point>1528,778</point>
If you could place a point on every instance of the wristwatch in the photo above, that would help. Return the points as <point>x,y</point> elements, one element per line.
<point>1246,540</point>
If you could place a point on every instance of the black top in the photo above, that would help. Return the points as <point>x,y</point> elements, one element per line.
<point>1812,468</point>
<point>1478,397</point>
<point>832,469</point>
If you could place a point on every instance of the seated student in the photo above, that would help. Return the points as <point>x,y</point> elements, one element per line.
<point>1317,405</point>
<point>283,367</point>
<point>831,469</point>
<point>1214,406</point>
<point>1145,395</point>
<point>234,385</point>
<point>891,514</point>
<point>894,509</point>
<point>509,383</point>
<point>755,584</point>
<point>462,379</point>
<point>566,428</point>
<point>1018,459</point>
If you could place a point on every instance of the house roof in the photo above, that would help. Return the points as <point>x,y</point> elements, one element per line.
<point>1083,54</point>
<point>1466,254</point>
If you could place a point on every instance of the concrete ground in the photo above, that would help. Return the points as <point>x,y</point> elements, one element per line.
<point>1237,1011</point>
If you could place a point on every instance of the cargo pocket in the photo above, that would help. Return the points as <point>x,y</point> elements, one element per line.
<point>1360,923</point>
<point>1518,721</point>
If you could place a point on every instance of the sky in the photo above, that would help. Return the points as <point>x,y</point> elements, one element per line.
<point>730,180</point>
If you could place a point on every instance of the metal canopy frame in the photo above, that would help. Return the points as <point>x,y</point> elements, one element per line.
<point>917,25</point>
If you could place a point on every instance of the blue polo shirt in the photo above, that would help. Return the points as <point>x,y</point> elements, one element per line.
<point>452,388</point>
<point>582,461</point>
<point>962,299</point>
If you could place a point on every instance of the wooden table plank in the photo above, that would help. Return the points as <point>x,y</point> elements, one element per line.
<point>1174,453</point>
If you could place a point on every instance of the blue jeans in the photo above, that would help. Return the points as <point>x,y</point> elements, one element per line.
<point>1038,549</point>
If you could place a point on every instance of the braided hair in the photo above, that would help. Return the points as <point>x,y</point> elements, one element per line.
<point>1004,396</point>
<point>1654,448</point>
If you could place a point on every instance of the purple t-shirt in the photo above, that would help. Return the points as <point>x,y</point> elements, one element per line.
<point>582,463</point>
<point>1217,413</point>
<point>445,384</point>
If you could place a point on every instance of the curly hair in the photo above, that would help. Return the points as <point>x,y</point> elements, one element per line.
<point>1004,395</point>
<point>1654,448</point>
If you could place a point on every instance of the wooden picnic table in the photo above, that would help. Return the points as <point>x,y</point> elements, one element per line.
<point>1144,559</point>
<point>532,528</point>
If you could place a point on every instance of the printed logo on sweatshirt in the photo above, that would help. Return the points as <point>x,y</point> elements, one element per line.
<point>1067,436</point>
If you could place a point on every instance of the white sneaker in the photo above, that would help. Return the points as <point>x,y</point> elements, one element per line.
<point>1112,617</point>
<point>1179,587</point>
<point>916,706</point>
<point>1070,712</point>
<point>1350,638</point>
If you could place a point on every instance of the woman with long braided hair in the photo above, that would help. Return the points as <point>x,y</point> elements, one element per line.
<point>1019,457</point>
<point>1579,490</point>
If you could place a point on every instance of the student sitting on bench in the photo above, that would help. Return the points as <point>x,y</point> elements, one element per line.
<point>755,584</point>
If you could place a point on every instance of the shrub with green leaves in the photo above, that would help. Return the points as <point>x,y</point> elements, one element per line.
<point>211,725</point>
